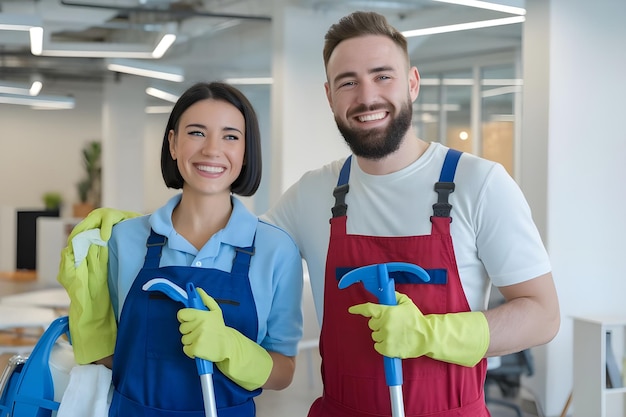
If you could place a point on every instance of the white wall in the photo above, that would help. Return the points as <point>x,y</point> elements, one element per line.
<point>41,148</point>
<point>304,134</point>
<point>578,119</point>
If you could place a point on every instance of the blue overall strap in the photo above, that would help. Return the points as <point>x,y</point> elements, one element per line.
<point>340,208</point>
<point>445,186</point>
<point>155,244</point>
<point>241,263</point>
<point>449,165</point>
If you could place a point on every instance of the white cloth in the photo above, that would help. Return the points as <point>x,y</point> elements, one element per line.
<point>82,241</point>
<point>88,392</point>
<point>494,236</point>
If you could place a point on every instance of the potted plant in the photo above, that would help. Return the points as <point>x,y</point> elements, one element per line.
<point>89,188</point>
<point>52,201</point>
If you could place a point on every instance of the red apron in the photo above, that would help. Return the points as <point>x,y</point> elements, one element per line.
<point>352,371</point>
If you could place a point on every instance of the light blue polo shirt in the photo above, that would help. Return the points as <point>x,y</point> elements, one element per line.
<point>275,268</point>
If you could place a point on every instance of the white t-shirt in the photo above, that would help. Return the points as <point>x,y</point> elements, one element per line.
<point>495,239</point>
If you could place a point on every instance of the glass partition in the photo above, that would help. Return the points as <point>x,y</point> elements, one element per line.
<point>474,110</point>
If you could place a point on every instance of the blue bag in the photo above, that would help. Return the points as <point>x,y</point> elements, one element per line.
<point>26,385</point>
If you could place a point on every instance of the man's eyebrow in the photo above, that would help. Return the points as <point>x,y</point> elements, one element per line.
<point>352,74</point>
<point>347,74</point>
<point>381,69</point>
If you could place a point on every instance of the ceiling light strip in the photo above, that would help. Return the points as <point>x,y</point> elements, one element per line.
<point>36,40</point>
<point>40,46</point>
<point>146,69</point>
<point>52,102</point>
<point>35,88</point>
<point>158,109</point>
<point>249,80</point>
<point>164,44</point>
<point>7,87</point>
<point>487,5</point>
<point>464,26</point>
<point>162,94</point>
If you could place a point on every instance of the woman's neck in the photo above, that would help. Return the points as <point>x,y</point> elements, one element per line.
<point>198,219</point>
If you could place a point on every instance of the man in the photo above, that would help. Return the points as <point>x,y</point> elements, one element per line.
<point>471,230</point>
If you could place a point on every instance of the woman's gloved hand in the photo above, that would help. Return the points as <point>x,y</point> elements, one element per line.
<point>102,218</point>
<point>83,273</point>
<point>206,336</point>
<point>402,331</point>
<point>93,328</point>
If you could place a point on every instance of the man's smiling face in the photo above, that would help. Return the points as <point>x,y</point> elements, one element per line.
<point>368,91</point>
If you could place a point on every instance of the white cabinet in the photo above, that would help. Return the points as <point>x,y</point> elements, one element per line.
<point>591,396</point>
<point>52,233</point>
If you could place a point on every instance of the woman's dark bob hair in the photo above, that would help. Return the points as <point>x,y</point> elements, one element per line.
<point>250,177</point>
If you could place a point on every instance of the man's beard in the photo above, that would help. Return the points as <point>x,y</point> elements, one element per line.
<point>377,143</point>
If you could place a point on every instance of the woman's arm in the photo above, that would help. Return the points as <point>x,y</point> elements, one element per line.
<point>282,371</point>
<point>108,362</point>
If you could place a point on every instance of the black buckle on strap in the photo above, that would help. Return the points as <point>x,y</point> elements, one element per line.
<point>340,208</point>
<point>156,241</point>
<point>246,251</point>
<point>442,208</point>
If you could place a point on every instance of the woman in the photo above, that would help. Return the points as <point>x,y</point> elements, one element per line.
<point>248,273</point>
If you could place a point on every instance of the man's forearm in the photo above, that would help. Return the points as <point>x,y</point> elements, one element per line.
<point>530,316</point>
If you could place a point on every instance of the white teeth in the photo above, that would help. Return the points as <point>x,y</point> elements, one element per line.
<point>371,117</point>
<point>211,169</point>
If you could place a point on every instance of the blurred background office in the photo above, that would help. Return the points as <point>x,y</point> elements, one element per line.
<point>538,86</point>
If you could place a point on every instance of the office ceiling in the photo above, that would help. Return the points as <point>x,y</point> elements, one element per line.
<point>216,38</point>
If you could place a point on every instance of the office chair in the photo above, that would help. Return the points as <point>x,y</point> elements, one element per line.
<point>507,377</point>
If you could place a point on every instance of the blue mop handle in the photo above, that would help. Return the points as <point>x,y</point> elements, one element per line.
<point>194,301</point>
<point>387,296</point>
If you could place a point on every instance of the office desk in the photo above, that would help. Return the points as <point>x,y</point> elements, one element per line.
<point>12,317</point>
<point>55,298</point>
<point>22,324</point>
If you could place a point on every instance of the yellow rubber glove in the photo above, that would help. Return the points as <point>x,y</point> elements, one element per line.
<point>92,323</point>
<point>402,331</point>
<point>102,218</point>
<point>206,336</point>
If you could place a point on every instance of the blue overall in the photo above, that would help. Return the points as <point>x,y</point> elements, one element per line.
<point>152,375</point>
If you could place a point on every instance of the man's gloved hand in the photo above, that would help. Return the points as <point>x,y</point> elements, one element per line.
<point>402,331</point>
<point>102,218</point>
<point>206,336</point>
<point>92,323</point>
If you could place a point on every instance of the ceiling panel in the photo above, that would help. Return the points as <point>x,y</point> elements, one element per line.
<point>238,31</point>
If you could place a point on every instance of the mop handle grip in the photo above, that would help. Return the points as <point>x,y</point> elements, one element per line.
<point>194,301</point>
<point>387,296</point>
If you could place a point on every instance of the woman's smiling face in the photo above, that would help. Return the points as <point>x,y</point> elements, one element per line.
<point>209,146</point>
